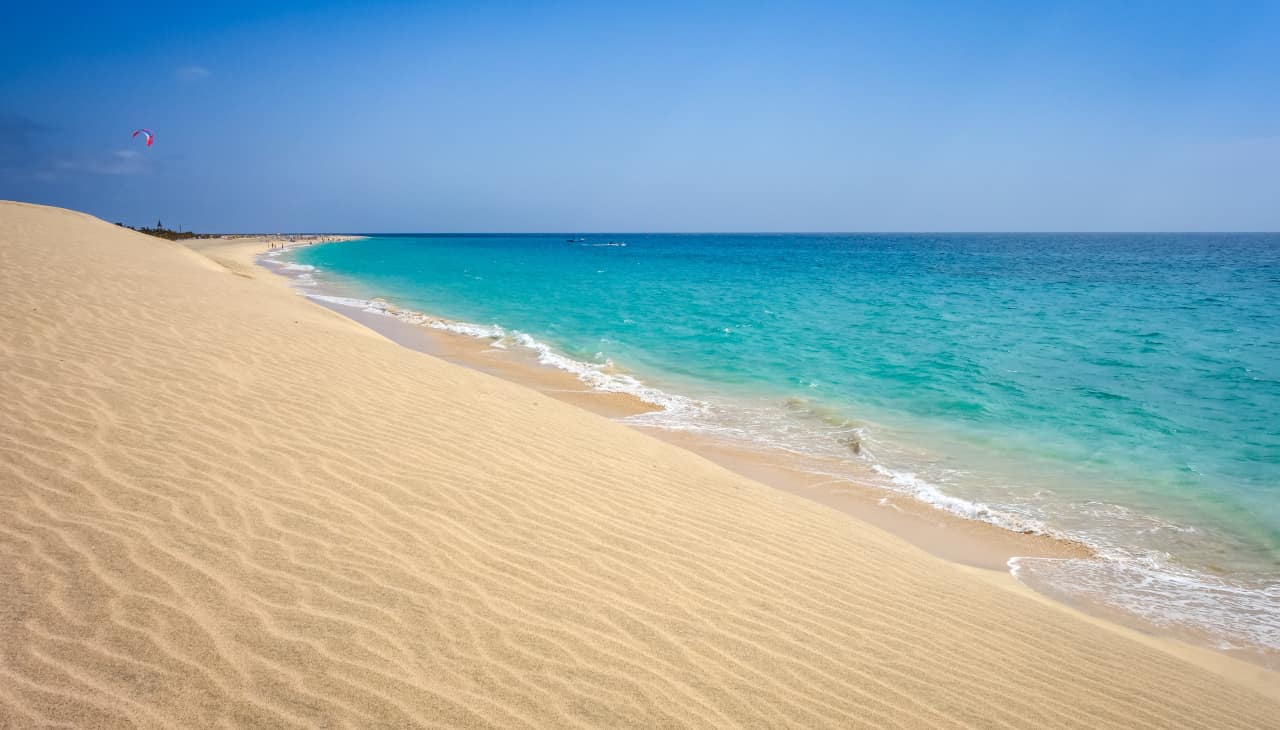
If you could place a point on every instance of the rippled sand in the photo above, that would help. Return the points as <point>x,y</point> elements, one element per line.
<point>222,505</point>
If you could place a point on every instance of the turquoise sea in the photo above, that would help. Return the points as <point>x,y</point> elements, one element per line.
<point>1122,390</point>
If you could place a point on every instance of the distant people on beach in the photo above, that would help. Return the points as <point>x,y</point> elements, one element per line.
<point>275,242</point>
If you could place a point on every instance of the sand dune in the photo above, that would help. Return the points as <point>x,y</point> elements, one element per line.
<point>223,506</point>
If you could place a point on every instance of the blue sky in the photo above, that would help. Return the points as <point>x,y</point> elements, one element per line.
<point>568,116</point>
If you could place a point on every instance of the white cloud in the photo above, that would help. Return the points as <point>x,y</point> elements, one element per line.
<point>117,162</point>
<point>188,74</point>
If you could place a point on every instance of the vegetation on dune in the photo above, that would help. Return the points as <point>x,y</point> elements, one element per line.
<point>160,231</point>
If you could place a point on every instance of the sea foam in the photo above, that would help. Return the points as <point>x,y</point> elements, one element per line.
<point>598,376</point>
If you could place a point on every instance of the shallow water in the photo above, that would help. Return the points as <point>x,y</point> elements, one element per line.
<point>1122,390</point>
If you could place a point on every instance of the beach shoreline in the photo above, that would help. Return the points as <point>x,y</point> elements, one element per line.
<point>969,543</point>
<point>223,505</point>
<point>959,539</point>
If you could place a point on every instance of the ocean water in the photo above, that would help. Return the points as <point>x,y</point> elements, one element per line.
<point>1121,390</point>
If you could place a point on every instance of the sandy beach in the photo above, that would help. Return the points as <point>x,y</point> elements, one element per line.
<point>222,505</point>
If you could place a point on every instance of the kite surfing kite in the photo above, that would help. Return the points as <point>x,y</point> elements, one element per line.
<point>147,132</point>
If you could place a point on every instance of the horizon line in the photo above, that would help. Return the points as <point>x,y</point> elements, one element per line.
<point>743,233</point>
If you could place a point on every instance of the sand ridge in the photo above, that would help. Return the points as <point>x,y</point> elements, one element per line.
<point>224,506</point>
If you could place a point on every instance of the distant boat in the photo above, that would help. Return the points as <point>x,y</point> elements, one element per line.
<point>574,240</point>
